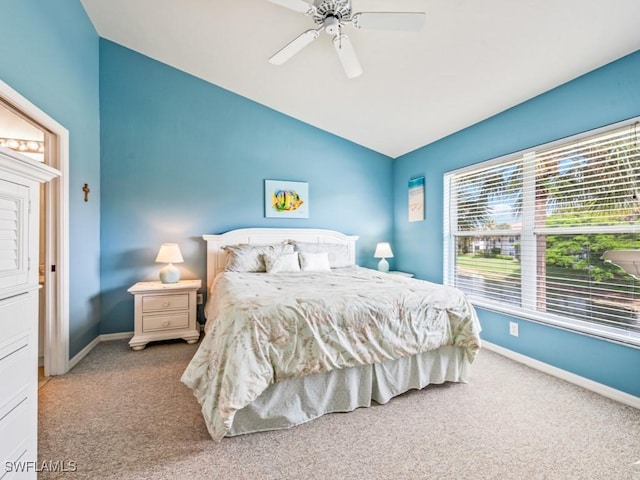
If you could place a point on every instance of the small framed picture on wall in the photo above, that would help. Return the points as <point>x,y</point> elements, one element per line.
<point>285,199</point>
<point>416,199</point>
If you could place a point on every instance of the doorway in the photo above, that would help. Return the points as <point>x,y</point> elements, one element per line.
<point>28,138</point>
<point>28,130</point>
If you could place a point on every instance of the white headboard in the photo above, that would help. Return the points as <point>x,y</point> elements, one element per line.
<point>217,257</point>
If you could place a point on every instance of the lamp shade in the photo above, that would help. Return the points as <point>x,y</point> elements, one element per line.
<point>383,250</point>
<point>169,253</point>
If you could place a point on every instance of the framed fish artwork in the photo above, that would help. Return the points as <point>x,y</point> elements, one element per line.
<point>285,199</point>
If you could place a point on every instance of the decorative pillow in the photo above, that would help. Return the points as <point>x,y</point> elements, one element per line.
<point>315,262</point>
<point>283,262</point>
<point>249,258</point>
<point>338,253</point>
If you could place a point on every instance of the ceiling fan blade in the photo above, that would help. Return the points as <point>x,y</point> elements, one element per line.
<point>347,56</point>
<point>296,5</point>
<point>409,21</point>
<point>294,47</point>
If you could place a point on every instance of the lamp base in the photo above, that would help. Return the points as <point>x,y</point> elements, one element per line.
<point>383,266</point>
<point>170,274</point>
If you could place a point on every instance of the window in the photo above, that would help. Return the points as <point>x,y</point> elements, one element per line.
<point>525,233</point>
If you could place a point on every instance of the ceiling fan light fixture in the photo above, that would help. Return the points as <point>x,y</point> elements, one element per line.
<point>331,16</point>
<point>331,25</point>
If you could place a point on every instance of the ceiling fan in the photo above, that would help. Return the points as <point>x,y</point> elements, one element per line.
<point>331,16</point>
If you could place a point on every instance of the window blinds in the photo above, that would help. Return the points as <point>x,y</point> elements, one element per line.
<point>591,182</point>
<point>529,231</point>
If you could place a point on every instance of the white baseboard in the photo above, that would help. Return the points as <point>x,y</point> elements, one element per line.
<point>583,382</point>
<point>84,352</point>
<point>107,337</point>
<point>100,338</point>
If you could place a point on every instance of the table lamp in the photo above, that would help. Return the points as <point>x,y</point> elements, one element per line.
<point>383,251</point>
<point>169,253</point>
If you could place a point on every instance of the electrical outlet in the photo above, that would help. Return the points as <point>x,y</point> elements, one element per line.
<point>513,329</point>
<point>199,299</point>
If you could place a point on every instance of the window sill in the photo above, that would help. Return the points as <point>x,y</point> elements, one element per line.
<point>615,335</point>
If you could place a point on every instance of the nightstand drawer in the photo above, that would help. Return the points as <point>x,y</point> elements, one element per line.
<point>155,303</point>
<point>152,323</point>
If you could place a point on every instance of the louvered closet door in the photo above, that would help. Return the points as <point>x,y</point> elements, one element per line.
<point>14,233</point>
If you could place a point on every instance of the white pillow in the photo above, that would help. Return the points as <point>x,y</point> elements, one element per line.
<point>285,262</point>
<point>338,253</point>
<point>315,262</point>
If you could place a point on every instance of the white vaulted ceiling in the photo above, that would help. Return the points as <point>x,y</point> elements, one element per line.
<point>473,58</point>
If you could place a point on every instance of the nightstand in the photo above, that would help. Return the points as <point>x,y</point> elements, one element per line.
<point>404,274</point>
<point>164,311</point>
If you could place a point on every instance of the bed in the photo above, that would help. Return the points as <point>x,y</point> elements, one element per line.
<point>283,347</point>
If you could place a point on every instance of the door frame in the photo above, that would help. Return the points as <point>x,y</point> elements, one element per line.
<point>56,235</point>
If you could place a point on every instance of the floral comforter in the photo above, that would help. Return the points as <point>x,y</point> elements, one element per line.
<point>263,328</point>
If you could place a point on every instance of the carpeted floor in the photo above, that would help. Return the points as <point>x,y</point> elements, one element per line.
<point>125,415</point>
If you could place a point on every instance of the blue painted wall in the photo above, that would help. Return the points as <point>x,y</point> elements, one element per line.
<point>182,157</point>
<point>49,54</point>
<point>607,95</point>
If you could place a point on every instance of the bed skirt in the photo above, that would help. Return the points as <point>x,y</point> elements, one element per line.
<point>299,400</point>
